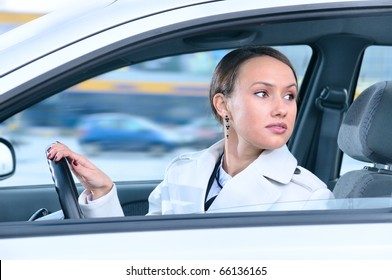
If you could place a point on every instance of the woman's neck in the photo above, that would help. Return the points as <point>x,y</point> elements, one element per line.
<point>237,159</point>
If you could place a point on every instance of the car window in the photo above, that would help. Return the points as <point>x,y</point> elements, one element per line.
<point>376,66</point>
<point>139,117</point>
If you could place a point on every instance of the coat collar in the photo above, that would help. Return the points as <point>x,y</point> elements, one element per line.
<point>278,165</point>
<point>255,188</point>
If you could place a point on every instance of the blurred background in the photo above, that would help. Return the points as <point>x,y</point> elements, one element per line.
<point>130,121</point>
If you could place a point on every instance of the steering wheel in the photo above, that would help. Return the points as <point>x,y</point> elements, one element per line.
<point>66,188</point>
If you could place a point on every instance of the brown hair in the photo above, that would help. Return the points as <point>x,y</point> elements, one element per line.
<point>226,72</point>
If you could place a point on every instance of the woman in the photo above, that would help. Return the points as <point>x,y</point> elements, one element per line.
<point>253,95</point>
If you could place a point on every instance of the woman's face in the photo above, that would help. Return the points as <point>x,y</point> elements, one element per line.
<point>262,107</point>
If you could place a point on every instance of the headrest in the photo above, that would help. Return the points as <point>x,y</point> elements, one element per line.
<point>366,131</point>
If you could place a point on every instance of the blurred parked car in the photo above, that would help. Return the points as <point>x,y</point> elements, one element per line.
<point>201,133</point>
<point>121,132</point>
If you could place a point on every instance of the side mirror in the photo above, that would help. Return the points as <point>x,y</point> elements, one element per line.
<point>7,159</point>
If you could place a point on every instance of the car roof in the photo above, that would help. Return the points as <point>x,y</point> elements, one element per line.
<point>63,27</point>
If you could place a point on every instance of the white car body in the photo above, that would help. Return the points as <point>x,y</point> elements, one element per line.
<point>51,45</point>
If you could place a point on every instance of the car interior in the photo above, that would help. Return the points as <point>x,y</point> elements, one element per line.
<point>329,128</point>
<point>360,138</point>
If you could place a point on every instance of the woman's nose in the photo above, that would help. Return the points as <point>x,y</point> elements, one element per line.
<point>279,107</point>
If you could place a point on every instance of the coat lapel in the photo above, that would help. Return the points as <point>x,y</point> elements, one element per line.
<point>256,188</point>
<point>188,183</point>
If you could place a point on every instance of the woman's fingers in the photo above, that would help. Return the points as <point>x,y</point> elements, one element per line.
<point>91,177</point>
<point>58,151</point>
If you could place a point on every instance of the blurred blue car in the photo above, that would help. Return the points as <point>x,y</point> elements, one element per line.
<point>122,132</point>
<point>201,133</point>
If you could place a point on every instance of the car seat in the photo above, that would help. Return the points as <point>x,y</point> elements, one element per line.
<point>366,135</point>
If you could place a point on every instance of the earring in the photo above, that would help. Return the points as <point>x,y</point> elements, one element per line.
<point>227,126</point>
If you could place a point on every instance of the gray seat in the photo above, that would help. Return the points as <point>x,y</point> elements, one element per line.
<point>366,135</point>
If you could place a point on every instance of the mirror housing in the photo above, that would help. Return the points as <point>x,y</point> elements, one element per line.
<point>7,159</point>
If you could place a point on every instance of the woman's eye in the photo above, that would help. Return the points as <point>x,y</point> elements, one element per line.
<point>290,96</point>
<point>261,93</point>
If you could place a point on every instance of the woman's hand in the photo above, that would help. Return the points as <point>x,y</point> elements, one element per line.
<point>90,176</point>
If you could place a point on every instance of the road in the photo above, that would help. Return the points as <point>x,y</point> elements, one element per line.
<point>32,167</point>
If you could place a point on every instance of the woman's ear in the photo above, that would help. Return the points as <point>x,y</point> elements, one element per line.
<point>220,104</point>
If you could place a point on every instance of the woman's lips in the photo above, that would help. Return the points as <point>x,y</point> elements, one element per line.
<point>278,128</point>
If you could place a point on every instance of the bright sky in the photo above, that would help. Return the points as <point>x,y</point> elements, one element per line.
<point>33,6</point>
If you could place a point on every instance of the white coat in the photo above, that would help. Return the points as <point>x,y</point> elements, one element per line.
<point>269,183</point>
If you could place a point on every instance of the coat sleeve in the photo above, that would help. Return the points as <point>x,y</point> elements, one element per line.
<point>106,206</point>
<point>159,200</point>
<point>155,201</point>
<point>320,197</point>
